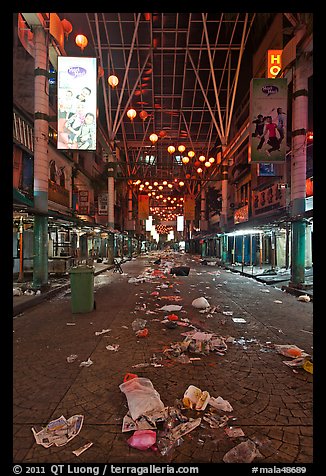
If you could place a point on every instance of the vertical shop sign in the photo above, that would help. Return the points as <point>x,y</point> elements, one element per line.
<point>268,118</point>
<point>274,63</point>
<point>102,207</point>
<point>143,207</point>
<point>189,207</point>
<point>83,202</point>
<point>77,93</point>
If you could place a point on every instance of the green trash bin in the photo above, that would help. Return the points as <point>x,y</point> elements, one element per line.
<point>82,289</point>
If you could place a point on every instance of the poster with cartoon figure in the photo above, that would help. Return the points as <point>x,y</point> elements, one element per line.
<point>77,103</point>
<point>268,119</point>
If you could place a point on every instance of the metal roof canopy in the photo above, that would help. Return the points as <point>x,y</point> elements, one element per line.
<point>183,70</point>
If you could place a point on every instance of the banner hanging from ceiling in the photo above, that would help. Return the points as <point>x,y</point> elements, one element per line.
<point>268,118</point>
<point>77,103</point>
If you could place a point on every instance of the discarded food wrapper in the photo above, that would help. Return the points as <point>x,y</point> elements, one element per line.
<point>304,298</point>
<point>238,319</point>
<point>59,431</point>
<point>72,358</point>
<point>142,439</point>
<point>81,450</point>
<point>200,303</point>
<point>290,350</point>
<point>308,366</point>
<point>195,398</point>
<point>142,332</point>
<point>244,452</point>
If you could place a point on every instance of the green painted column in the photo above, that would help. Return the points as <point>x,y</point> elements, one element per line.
<point>298,252</point>
<point>129,244</point>
<point>40,262</point>
<point>224,248</point>
<point>110,248</point>
<point>203,249</point>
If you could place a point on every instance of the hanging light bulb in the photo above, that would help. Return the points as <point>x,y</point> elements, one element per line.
<point>81,41</point>
<point>181,148</point>
<point>131,114</point>
<point>191,153</point>
<point>202,158</point>
<point>155,184</point>
<point>207,163</point>
<point>165,182</point>
<point>211,160</point>
<point>170,185</point>
<point>181,184</point>
<point>113,81</point>
<point>171,149</point>
<point>146,183</point>
<point>185,160</point>
<point>153,138</point>
<point>199,170</point>
<point>160,187</point>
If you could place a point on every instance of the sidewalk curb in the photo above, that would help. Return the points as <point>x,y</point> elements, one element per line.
<point>297,292</point>
<point>19,308</point>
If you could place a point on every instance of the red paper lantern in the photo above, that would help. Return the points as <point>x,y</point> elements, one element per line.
<point>143,115</point>
<point>67,27</point>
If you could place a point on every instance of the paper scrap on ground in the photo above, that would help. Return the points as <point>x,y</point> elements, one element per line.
<point>86,363</point>
<point>103,331</point>
<point>59,431</point>
<point>170,308</point>
<point>81,450</point>
<point>71,358</point>
<point>114,347</point>
<point>238,319</point>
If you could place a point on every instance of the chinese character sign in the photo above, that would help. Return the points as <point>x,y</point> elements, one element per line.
<point>268,118</point>
<point>77,101</point>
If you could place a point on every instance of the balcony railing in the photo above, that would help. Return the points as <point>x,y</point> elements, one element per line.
<point>58,194</point>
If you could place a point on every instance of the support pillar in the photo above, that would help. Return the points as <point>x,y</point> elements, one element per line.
<point>110,209</point>
<point>41,166</point>
<point>298,171</point>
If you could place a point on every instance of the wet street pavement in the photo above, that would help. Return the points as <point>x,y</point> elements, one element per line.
<point>271,402</point>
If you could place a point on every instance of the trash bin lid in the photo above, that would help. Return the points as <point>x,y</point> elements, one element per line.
<point>82,269</point>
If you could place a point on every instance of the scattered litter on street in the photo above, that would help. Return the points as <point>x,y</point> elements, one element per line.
<point>244,452</point>
<point>304,298</point>
<point>138,324</point>
<point>59,431</point>
<point>234,432</point>
<point>114,347</point>
<point>238,319</point>
<point>103,331</point>
<point>71,323</point>
<point>72,358</point>
<point>81,450</point>
<point>200,303</point>
<point>142,439</point>
<point>86,363</point>
<point>171,308</point>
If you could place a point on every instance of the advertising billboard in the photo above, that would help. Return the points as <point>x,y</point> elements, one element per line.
<point>77,103</point>
<point>268,118</point>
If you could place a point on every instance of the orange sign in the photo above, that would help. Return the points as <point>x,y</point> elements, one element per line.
<point>274,63</point>
<point>143,207</point>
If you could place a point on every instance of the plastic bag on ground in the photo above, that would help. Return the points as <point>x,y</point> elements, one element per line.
<point>141,396</point>
<point>142,439</point>
<point>138,324</point>
<point>200,303</point>
<point>244,452</point>
<point>220,404</point>
<point>290,350</point>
